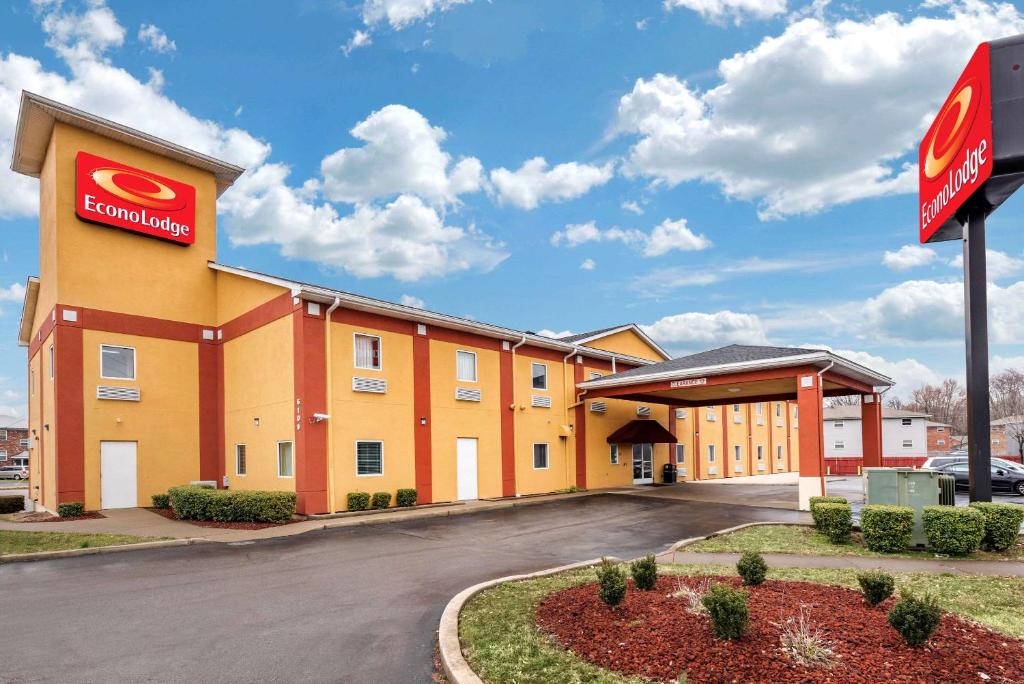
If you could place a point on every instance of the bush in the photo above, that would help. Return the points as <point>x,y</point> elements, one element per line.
<point>190,502</point>
<point>727,608</point>
<point>752,568</point>
<point>195,502</point>
<point>952,530</point>
<point>380,500</point>
<point>70,509</point>
<point>915,618</point>
<point>406,498</point>
<point>645,572</point>
<point>876,585</point>
<point>816,500</point>
<point>11,504</point>
<point>1002,524</point>
<point>611,583</point>
<point>835,520</point>
<point>886,529</point>
<point>161,500</point>
<point>358,501</point>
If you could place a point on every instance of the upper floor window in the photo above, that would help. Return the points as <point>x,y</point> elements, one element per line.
<point>940,429</point>
<point>760,408</point>
<point>465,366</point>
<point>539,371</point>
<point>778,409</point>
<point>760,452</point>
<point>736,453</point>
<point>837,424</point>
<point>117,363</point>
<point>735,408</point>
<point>840,445</point>
<point>907,422</point>
<point>367,351</point>
<point>3,435</point>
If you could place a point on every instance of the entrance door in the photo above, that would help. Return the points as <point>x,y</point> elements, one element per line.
<point>466,468</point>
<point>119,486</point>
<point>643,464</point>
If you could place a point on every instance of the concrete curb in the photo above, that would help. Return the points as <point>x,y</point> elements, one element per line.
<point>341,515</point>
<point>96,550</point>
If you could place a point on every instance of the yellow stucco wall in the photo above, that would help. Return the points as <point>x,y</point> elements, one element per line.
<point>164,423</point>
<point>536,425</point>
<point>47,239</point>
<point>684,433</point>
<point>711,433</point>
<point>760,425</point>
<point>237,295</point>
<point>259,383</point>
<point>626,342</point>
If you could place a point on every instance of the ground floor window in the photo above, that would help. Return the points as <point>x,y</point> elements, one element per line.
<point>540,456</point>
<point>711,453</point>
<point>778,453</point>
<point>736,452</point>
<point>614,451</point>
<point>680,453</point>
<point>239,459</point>
<point>760,452</point>
<point>285,465</point>
<point>369,458</point>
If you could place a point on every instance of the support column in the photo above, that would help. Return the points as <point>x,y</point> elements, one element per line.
<point>211,412</point>
<point>508,423</point>
<point>422,438</point>
<point>811,440</point>
<point>871,429</point>
<point>979,438</point>
<point>310,452</point>
<point>579,426</point>
<point>69,409</point>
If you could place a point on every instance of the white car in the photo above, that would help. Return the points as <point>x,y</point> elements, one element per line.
<point>13,473</point>
<point>961,457</point>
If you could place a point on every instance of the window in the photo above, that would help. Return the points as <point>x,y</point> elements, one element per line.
<point>711,453</point>
<point>613,450</point>
<point>3,454</point>
<point>369,458</point>
<point>51,362</point>
<point>907,422</point>
<point>760,452</point>
<point>940,429</point>
<point>839,445</point>
<point>760,408</point>
<point>736,453</point>
<point>540,456</point>
<point>3,435</point>
<point>284,459</point>
<point>837,424</point>
<point>540,376</point>
<point>680,453</point>
<point>796,412</point>
<point>941,442</point>
<point>778,453</point>
<point>908,444</point>
<point>32,382</point>
<point>24,443</point>
<point>367,351</point>
<point>117,363</point>
<point>735,408</point>
<point>465,366</point>
<point>239,459</point>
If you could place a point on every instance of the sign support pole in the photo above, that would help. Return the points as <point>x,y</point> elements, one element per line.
<point>979,442</point>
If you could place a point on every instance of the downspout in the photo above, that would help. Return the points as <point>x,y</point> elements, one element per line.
<point>330,403</point>
<point>565,412</point>
<point>514,409</point>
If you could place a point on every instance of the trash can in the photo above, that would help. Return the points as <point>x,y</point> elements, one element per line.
<point>669,472</point>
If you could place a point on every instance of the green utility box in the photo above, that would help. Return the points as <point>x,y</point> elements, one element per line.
<point>904,487</point>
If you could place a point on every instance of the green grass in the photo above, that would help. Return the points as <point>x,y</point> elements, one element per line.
<point>808,542</point>
<point>504,646</point>
<point>30,542</point>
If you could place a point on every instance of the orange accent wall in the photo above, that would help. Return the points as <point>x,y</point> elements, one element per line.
<point>508,426</point>
<point>69,415</point>
<point>421,409</point>
<point>580,431</point>
<point>871,431</point>
<point>811,438</point>
<point>310,397</point>
<point>211,412</point>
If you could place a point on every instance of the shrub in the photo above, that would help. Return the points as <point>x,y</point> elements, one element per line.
<point>952,530</point>
<point>190,502</point>
<point>752,568</point>
<point>611,583</point>
<point>876,585</point>
<point>406,498</point>
<point>195,502</point>
<point>816,500</point>
<point>161,500</point>
<point>915,618</point>
<point>835,520</point>
<point>358,501</point>
<point>70,509</point>
<point>11,504</point>
<point>1002,524</point>
<point>645,572</point>
<point>886,529</point>
<point>727,608</point>
<point>804,643</point>
<point>381,500</point>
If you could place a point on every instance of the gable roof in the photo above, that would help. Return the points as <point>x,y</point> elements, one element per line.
<point>583,338</point>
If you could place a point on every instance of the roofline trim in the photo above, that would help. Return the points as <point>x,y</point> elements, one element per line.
<point>28,311</point>
<point>628,326</point>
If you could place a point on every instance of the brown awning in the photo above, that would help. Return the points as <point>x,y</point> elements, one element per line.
<point>642,432</point>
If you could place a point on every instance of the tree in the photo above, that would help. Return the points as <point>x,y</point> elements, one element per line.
<point>849,400</point>
<point>1006,397</point>
<point>945,403</point>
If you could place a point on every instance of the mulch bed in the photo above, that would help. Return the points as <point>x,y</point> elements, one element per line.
<point>170,515</point>
<point>651,634</point>
<point>48,517</point>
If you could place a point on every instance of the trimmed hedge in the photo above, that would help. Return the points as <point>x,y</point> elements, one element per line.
<point>161,500</point>
<point>70,509</point>
<point>195,502</point>
<point>752,568</point>
<point>645,573</point>
<point>1002,524</point>
<point>876,585</point>
<point>727,608</point>
<point>357,501</point>
<point>380,501</point>
<point>887,529</point>
<point>12,504</point>
<point>835,520</point>
<point>816,500</point>
<point>915,618</point>
<point>611,583</point>
<point>953,530</point>
<point>406,498</point>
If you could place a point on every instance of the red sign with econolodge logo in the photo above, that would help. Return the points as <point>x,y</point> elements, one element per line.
<point>955,158</point>
<point>113,194</point>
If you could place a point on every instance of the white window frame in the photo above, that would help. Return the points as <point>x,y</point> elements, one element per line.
<point>547,455</point>
<point>380,352</point>
<point>680,453</point>
<point>839,444</point>
<point>245,451</point>
<point>613,454</point>
<point>906,422</point>
<point>778,452</point>
<point>737,453</point>
<point>735,408</point>
<point>3,434</point>
<point>711,453</point>
<point>532,378</point>
<point>476,368</point>
<point>278,456</point>
<point>760,452</point>
<point>760,408</point>
<point>909,444</point>
<point>356,457</point>
<point>135,359</point>
<point>940,429</point>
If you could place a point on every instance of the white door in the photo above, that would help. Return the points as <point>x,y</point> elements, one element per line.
<point>119,485</point>
<point>643,463</point>
<point>466,468</point>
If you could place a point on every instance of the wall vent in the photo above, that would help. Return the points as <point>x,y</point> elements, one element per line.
<point>737,419</point>
<point>375,385</point>
<point>598,407</point>
<point>760,421</point>
<point>467,394</point>
<point>540,401</point>
<point>737,469</point>
<point>682,470</point>
<point>778,422</point>
<point>118,393</point>
<point>643,411</point>
<point>760,466</point>
<point>713,470</point>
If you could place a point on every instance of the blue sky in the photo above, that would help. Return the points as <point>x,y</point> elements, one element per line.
<point>717,171</point>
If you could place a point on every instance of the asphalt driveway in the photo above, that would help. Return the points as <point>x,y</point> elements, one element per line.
<point>357,604</point>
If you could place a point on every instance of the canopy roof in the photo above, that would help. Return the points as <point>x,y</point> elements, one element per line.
<point>641,431</point>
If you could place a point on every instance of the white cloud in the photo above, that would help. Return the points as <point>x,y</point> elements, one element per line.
<point>817,116</point>
<point>155,39</point>
<point>908,257</point>
<point>908,373</point>
<point>632,207</point>
<point>707,329</point>
<point>413,301</point>
<point>551,333</point>
<point>533,182</point>
<point>588,265</point>
<point>642,24</point>
<point>402,154</point>
<point>11,411</point>
<point>998,264</point>
<point>718,10</point>
<point>401,13</point>
<point>667,236</point>
<point>358,40</point>
<point>576,234</point>
<point>1000,363</point>
<point>13,293</point>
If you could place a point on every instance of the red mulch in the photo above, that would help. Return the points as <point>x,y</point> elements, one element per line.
<point>46,517</point>
<point>652,635</point>
<point>169,514</point>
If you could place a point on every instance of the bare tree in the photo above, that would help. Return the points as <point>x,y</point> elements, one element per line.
<point>895,403</point>
<point>1006,395</point>
<point>945,403</point>
<point>849,400</point>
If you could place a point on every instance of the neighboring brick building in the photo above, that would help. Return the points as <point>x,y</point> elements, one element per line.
<point>940,438</point>
<point>13,441</point>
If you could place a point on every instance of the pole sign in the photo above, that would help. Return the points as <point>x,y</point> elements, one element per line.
<point>113,194</point>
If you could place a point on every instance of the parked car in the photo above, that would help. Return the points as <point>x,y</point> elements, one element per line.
<point>13,473</point>
<point>940,461</point>
<point>1003,480</point>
